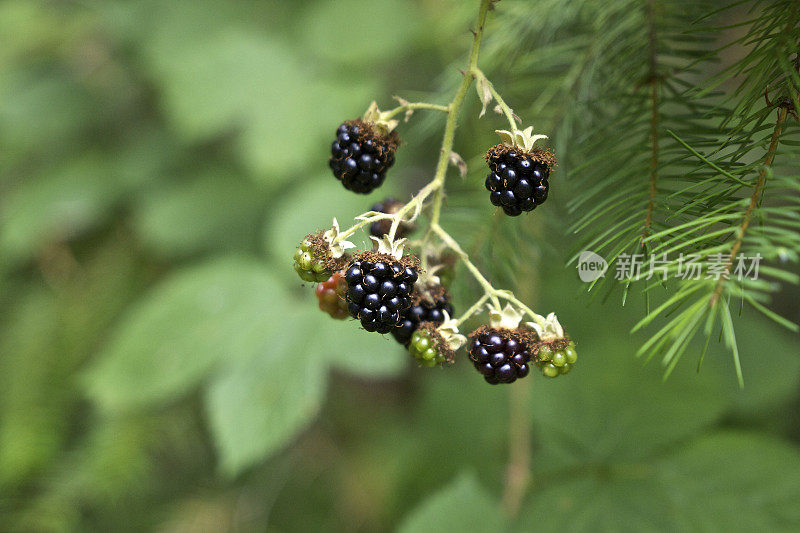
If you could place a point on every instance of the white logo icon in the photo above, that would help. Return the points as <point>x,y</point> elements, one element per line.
<point>591,266</point>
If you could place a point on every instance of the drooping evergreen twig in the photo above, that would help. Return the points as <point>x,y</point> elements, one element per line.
<point>756,196</point>
<point>653,81</point>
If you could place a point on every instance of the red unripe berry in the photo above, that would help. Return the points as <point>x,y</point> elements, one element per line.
<point>331,296</point>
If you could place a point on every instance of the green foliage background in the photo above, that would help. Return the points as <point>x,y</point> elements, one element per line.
<point>162,368</point>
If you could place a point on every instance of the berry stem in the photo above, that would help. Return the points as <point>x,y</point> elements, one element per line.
<point>436,185</point>
<point>508,296</point>
<point>386,115</point>
<point>475,309</point>
<point>518,472</point>
<point>451,243</point>
<point>503,105</point>
<point>365,220</point>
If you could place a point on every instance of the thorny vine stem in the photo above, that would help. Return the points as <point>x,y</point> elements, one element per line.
<point>436,186</point>
<point>386,115</point>
<point>500,102</point>
<point>519,438</point>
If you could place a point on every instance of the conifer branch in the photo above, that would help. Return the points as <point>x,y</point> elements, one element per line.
<point>653,79</point>
<point>754,198</point>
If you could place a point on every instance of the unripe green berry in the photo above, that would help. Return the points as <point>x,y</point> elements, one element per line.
<point>308,267</point>
<point>571,354</point>
<point>430,353</point>
<point>550,370</point>
<point>421,342</point>
<point>559,359</point>
<point>545,353</point>
<point>305,261</point>
<point>565,369</point>
<point>424,349</point>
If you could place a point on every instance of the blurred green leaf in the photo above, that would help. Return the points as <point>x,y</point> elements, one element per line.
<point>258,404</point>
<point>171,338</point>
<point>41,108</point>
<point>462,506</point>
<point>732,481</point>
<point>602,504</point>
<point>769,381</point>
<point>54,207</point>
<point>30,423</point>
<point>246,82</point>
<point>313,207</point>
<point>612,408</point>
<point>723,482</point>
<point>218,211</point>
<point>376,31</point>
<point>349,347</point>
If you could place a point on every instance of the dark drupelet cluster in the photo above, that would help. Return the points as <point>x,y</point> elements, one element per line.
<point>420,311</point>
<point>517,181</point>
<point>499,355</point>
<point>360,157</point>
<point>378,291</point>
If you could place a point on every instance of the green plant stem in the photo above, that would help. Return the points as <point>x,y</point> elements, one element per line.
<point>518,471</point>
<point>654,119</point>
<point>757,190</point>
<point>489,291</point>
<point>436,186</point>
<point>365,220</point>
<point>453,245</point>
<point>507,111</point>
<point>386,115</point>
<point>475,309</point>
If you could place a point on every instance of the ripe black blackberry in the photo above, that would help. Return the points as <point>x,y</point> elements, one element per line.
<point>381,227</point>
<point>517,180</point>
<point>424,308</point>
<point>379,289</point>
<point>361,155</point>
<point>500,354</point>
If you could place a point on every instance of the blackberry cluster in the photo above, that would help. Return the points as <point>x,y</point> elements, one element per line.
<point>422,310</point>
<point>360,157</point>
<point>381,227</point>
<point>331,295</point>
<point>378,291</point>
<point>556,358</point>
<point>499,355</point>
<point>424,347</point>
<point>518,180</point>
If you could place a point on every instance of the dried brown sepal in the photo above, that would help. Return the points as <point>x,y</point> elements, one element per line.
<point>430,328</point>
<point>545,156</point>
<point>431,295</point>
<point>322,252</point>
<point>386,144</point>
